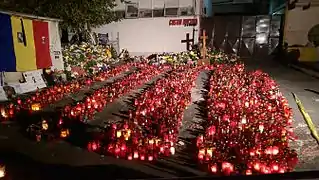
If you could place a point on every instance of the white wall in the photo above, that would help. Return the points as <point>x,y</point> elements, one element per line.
<point>144,36</point>
<point>298,23</point>
<point>148,35</point>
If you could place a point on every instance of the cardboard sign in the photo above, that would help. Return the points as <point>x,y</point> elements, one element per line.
<point>3,96</point>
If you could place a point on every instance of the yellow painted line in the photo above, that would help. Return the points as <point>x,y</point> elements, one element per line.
<point>307,118</point>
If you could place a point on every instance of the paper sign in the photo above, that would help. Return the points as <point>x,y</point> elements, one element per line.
<point>3,96</point>
<point>27,87</point>
<point>23,87</point>
<point>34,78</point>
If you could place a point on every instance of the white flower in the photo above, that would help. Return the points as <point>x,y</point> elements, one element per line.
<point>68,68</point>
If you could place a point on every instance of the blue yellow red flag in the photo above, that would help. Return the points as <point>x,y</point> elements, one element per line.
<point>24,44</point>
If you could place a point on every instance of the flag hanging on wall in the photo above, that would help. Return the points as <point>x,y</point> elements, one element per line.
<point>24,44</point>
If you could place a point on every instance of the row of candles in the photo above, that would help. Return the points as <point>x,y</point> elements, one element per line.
<point>59,124</point>
<point>50,95</point>
<point>96,102</point>
<point>154,119</point>
<point>248,125</point>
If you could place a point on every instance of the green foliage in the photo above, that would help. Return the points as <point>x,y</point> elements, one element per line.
<point>74,13</point>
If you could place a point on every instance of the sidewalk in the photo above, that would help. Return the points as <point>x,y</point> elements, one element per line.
<point>311,69</point>
<point>290,60</point>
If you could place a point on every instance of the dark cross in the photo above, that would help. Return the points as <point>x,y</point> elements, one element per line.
<point>187,41</point>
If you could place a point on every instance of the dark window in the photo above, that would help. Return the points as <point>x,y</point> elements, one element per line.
<point>145,13</point>
<point>120,14</point>
<point>171,11</point>
<point>158,12</point>
<point>186,11</point>
<point>131,10</point>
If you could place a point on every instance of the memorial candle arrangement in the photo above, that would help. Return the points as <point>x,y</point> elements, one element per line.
<point>154,122</point>
<point>248,125</point>
<point>53,126</point>
<point>7,111</point>
<point>100,98</point>
<point>56,93</point>
<point>246,131</point>
<point>50,95</point>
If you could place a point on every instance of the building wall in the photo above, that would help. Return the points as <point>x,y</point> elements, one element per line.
<point>149,35</point>
<point>298,23</point>
<point>142,36</point>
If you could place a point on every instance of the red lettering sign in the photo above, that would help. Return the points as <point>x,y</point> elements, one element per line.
<point>185,22</point>
<point>189,22</point>
<point>175,22</point>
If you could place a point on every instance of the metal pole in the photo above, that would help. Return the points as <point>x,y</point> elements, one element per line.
<point>213,36</point>
<point>118,42</point>
<point>152,8</point>
<point>240,35</point>
<point>195,16</point>
<point>254,48</point>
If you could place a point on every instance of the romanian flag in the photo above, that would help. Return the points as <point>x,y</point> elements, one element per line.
<point>24,44</point>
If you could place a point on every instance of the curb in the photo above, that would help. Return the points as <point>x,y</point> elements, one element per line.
<point>309,72</point>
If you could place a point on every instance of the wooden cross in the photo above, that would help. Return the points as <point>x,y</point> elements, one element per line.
<point>204,50</point>
<point>187,41</point>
